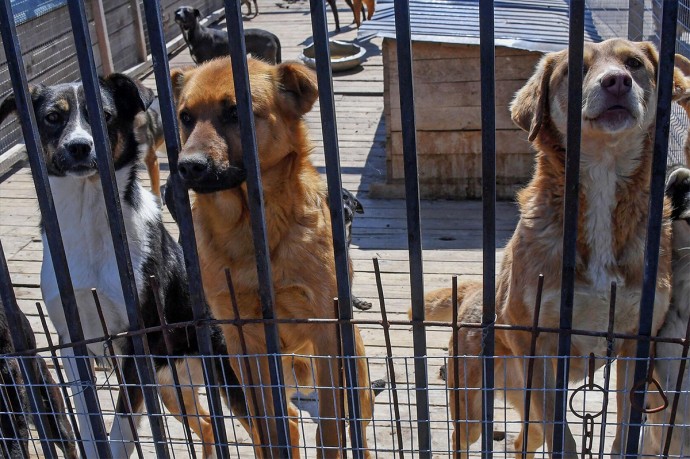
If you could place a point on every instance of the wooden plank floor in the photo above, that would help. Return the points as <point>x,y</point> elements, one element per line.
<point>452,245</point>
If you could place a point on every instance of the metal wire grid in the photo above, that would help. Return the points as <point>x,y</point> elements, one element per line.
<point>419,392</point>
<point>392,430</point>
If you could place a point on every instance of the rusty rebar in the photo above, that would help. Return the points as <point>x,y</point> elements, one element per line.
<point>389,356</point>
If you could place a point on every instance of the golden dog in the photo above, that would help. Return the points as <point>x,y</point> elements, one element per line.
<point>298,228</point>
<point>619,100</point>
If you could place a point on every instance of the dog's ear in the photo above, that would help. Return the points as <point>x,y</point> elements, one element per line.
<point>677,189</point>
<point>9,105</point>
<point>681,80</point>
<point>130,96</point>
<point>197,13</point>
<point>178,77</point>
<point>298,87</point>
<point>530,104</point>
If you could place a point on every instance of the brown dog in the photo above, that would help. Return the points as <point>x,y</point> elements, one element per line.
<point>619,100</point>
<point>682,96</point>
<point>298,230</point>
<point>148,132</point>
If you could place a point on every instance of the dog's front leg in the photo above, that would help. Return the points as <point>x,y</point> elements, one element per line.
<point>544,405</point>
<point>256,381</point>
<point>78,386</point>
<point>130,400</point>
<point>625,380</point>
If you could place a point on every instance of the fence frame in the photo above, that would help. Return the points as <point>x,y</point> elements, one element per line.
<point>344,319</point>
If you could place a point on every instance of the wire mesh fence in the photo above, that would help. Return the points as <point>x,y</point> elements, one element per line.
<point>238,393</point>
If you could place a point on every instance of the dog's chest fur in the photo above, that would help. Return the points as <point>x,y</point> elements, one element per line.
<point>90,252</point>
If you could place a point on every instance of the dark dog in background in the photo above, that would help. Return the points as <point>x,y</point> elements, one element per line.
<point>206,43</point>
<point>14,402</point>
<point>352,206</point>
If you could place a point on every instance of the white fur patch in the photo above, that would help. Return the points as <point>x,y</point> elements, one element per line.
<point>599,186</point>
<point>90,252</point>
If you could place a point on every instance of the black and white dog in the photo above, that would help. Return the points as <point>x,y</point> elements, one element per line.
<point>70,157</point>
<point>14,402</point>
<point>669,355</point>
<point>206,43</point>
<point>352,206</point>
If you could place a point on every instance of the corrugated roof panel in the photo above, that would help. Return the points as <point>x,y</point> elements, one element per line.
<point>536,25</point>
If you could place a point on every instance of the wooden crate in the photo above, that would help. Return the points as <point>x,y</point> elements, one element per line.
<point>447,88</point>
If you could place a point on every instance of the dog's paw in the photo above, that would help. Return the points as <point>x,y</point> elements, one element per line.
<point>378,386</point>
<point>361,304</point>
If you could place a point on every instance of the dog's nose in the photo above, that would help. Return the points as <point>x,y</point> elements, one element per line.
<point>617,83</point>
<point>79,149</point>
<point>193,168</point>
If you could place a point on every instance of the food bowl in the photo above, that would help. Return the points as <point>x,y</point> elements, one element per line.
<point>344,55</point>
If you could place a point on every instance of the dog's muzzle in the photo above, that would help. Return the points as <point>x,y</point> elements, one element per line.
<point>203,176</point>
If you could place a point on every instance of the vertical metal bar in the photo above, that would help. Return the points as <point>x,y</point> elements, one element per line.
<point>655,214</point>
<point>610,339</point>
<point>116,369</point>
<point>335,195</point>
<point>636,19</point>
<point>457,424</point>
<point>61,380</point>
<point>94,105</point>
<point>488,102</point>
<point>389,357</point>
<point>678,390</point>
<point>570,213</point>
<point>138,25</point>
<point>171,357</point>
<point>255,198</point>
<point>102,35</point>
<point>414,228</point>
<point>30,376</point>
<point>245,354</point>
<point>530,367</point>
<point>50,221</point>
<point>340,382</point>
<point>161,70</point>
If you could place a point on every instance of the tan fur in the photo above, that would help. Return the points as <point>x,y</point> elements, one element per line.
<point>298,232</point>
<point>357,9</point>
<point>620,147</point>
<point>682,96</point>
<point>149,134</point>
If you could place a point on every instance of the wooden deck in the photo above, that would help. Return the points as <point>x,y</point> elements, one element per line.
<point>452,243</point>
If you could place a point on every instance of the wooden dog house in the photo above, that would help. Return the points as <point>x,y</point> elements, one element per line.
<point>447,86</point>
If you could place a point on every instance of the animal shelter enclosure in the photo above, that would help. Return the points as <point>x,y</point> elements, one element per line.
<point>395,400</point>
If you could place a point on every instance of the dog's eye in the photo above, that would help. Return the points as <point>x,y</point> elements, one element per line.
<point>633,63</point>
<point>108,116</point>
<point>53,118</point>
<point>229,114</point>
<point>186,118</point>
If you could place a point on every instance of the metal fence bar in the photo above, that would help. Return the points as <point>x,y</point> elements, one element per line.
<point>29,373</point>
<point>655,215</point>
<point>255,198</point>
<point>414,227</point>
<point>51,227</point>
<point>106,172</point>
<point>488,104</point>
<point>161,70</point>
<point>329,128</point>
<point>570,218</point>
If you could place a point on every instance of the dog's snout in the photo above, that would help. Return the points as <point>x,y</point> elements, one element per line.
<point>79,149</point>
<point>193,168</point>
<point>617,83</point>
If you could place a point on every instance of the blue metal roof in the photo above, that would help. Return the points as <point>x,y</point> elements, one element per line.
<point>534,25</point>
